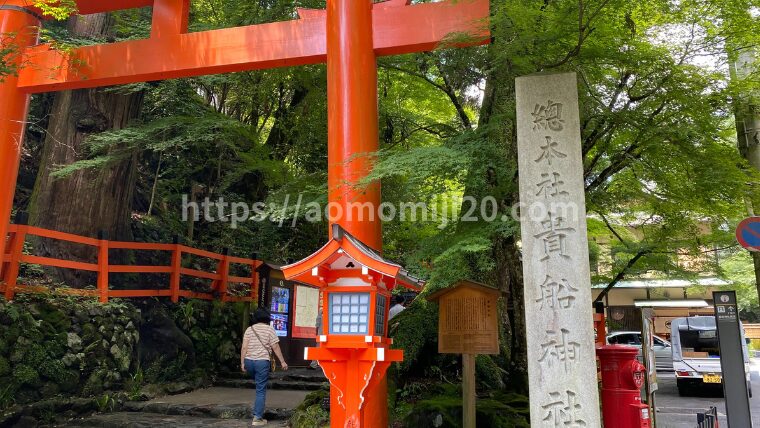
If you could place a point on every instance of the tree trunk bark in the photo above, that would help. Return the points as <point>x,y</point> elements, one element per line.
<point>495,115</point>
<point>87,201</point>
<point>748,133</point>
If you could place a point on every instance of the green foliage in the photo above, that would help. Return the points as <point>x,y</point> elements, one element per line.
<point>7,396</point>
<point>442,407</point>
<point>185,316</point>
<point>9,53</point>
<point>57,9</point>
<point>105,403</point>
<point>5,367</point>
<point>25,375</point>
<point>310,413</point>
<point>415,330</point>
<point>56,371</point>
<point>133,385</point>
<point>737,267</point>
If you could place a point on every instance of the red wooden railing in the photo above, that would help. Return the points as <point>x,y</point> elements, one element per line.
<point>13,257</point>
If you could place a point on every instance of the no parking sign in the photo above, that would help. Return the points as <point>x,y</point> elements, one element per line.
<point>748,233</point>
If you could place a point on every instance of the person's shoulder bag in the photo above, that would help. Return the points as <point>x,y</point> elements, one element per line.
<point>269,349</point>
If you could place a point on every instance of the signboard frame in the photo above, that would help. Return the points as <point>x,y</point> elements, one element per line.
<point>730,340</point>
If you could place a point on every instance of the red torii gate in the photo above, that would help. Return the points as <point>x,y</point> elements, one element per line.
<point>348,36</point>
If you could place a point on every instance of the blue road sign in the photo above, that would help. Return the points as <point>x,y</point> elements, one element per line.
<point>748,233</point>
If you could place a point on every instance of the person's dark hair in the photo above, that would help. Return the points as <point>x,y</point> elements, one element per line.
<point>262,316</point>
<point>400,299</point>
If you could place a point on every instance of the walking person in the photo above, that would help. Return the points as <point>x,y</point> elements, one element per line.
<point>259,342</point>
<point>398,307</point>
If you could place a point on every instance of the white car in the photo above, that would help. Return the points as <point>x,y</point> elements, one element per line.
<point>696,354</point>
<point>662,348</point>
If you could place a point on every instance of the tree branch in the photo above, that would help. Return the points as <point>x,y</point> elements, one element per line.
<point>619,277</point>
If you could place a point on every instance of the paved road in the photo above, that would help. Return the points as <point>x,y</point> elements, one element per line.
<point>680,412</point>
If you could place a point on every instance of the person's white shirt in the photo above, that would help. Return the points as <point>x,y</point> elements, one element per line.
<point>395,310</point>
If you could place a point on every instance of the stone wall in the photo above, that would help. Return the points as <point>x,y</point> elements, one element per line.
<point>68,346</point>
<point>77,347</point>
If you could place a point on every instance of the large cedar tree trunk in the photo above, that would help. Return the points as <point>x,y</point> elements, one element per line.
<point>496,115</point>
<point>87,201</point>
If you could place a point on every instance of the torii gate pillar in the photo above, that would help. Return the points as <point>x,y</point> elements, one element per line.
<point>352,129</point>
<point>22,26</point>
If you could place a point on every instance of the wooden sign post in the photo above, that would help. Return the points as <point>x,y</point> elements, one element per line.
<point>468,325</point>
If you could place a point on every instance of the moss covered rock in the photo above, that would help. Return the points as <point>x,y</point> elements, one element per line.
<point>122,358</point>
<point>311,414</point>
<point>25,375</point>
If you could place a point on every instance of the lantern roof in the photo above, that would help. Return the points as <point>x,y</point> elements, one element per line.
<point>345,256</point>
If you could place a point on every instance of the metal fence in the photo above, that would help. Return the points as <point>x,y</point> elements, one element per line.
<point>708,419</point>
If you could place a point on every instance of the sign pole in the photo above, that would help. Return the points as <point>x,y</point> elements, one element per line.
<point>647,347</point>
<point>468,390</point>
<point>732,359</point>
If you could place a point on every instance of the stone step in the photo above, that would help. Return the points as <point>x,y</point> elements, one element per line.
<point>301,375</point>
<point>146,420</point>
<point>209,411</point>
<point>275,384</point>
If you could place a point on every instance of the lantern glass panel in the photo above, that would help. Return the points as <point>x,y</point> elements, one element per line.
<point>380,309</point>
<point>350,313</point>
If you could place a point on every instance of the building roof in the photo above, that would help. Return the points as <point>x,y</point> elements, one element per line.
<point>667,283</point>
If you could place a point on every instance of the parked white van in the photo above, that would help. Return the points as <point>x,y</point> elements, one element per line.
<point>696,354</point>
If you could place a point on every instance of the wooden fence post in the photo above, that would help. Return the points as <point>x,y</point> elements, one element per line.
<point>10,276</point>
<point>7,245</point>
<point>103,267</point>
<point>224,274</point>
<point>176,266</point>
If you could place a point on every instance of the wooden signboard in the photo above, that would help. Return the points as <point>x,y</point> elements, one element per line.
<point>468,319</point>
<point>468,324</point>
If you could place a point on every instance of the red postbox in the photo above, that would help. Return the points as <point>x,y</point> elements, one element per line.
<point>622,379</point>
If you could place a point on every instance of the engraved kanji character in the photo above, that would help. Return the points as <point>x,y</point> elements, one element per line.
<point>554,236</point>
<point>556,294</point>
<point>549,151</point>
<point>548,116</point>
<point>562,413</point>
<point>559,349</point>
<point>551,185</point>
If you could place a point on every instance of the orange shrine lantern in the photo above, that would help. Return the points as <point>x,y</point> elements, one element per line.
<point>354,350</point>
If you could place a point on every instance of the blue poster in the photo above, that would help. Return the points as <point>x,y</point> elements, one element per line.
<point>280,300</point>
<point>280,324</point>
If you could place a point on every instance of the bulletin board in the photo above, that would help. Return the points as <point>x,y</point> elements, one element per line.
<point>306,311</point>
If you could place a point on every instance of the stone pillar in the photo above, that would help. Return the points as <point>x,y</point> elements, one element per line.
<point>559,319</point>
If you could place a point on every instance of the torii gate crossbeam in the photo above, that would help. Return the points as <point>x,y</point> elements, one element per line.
<point>279,44</point>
